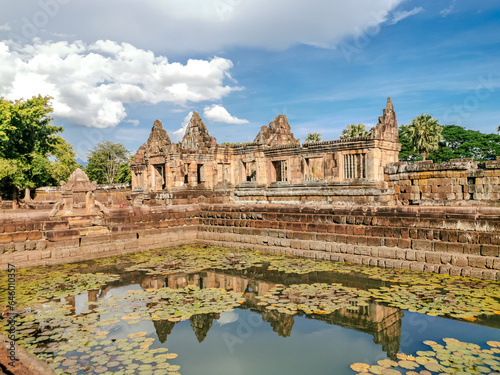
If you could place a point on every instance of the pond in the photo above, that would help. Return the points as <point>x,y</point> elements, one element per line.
<point>202,309</point>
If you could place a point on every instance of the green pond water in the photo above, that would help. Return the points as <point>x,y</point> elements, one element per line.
<point>211,310</point>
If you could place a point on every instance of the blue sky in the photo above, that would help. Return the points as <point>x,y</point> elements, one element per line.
<point>114,66</point>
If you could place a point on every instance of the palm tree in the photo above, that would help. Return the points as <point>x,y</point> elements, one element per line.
<point>498,129</point>
<point>354,130</point>
<point>313,137</point>
<point>423,134</point>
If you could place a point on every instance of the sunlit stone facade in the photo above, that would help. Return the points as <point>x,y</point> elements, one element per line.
<point>275,159</point>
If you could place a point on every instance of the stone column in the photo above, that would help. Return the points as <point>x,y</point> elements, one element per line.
<point>67,197</point>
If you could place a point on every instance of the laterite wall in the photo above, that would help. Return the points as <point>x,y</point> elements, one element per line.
<point>450,240</point>
<point>456,241</point>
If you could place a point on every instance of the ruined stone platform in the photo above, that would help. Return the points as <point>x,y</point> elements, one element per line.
<point>459,241</point>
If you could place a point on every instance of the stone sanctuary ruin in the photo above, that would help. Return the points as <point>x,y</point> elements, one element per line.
<point>274,167</point>
<point>345,200</point>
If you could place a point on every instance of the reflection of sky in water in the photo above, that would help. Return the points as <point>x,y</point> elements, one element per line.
<point>247,342</point>
<point>249,346</point>
<point>227,317</point>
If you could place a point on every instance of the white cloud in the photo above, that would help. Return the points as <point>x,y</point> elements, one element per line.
<point>133,122</point>
<point>91,83</point>
<point>5,27</point>
<point>211,25</point>
<point>179,133</point>
<point>448,10</point>
<point>399,16</point>
<point>218,113</point>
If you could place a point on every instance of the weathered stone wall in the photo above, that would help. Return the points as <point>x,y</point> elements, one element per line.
<point>456,241</point>
<point>114,194</point>
<point>316,194</point>
<point>450,240</point>
<point>35,239</point>
<point>461,182</point>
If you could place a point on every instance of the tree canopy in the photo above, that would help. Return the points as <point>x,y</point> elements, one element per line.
<point>108,163</point>
<point>422,135</point>
<point>354,130</point>
<point>456,143</point>
<point>313,137</point>
<point>32,153</point>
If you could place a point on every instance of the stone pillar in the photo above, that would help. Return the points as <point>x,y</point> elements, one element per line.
<point>90,207</point>
<point>27,194</point>
<point>15,198</point>
<point>67,197</point>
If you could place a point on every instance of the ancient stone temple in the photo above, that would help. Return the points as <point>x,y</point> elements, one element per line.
<point>274,167</point>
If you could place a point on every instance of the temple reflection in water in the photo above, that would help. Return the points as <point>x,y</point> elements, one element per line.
<point>382,322</point>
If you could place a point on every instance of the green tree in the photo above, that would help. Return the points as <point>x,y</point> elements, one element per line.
<point>25,127</point>
<point>313,137</point>
<point>423,135</point>
<point>28,138</point>
<point>64,160</point>
<point>460,143</point>
<point>354,130</point>
<point>124,175</point>
<point>105,160</point>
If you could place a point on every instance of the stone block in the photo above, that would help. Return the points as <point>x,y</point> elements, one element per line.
<point>478,274</point>
<point>391,242</point>
<point>9,228</point>
<point>317,245</point>
<point>459,260</point>
<point>30,245</point>
<point>474,249</point>
<point>404,243</point>
<point>327,237</point>
<point>304,236</point>
<point>485,238</point>
<point>35,235</point>
<point>61,235</point>
<point>19,236</point>
<point>362,240</point>
<point>40,245</point>
<point>424,245</point>
<point>441,246</point>
<point>491,275</point>
<point>455,271</point>
<point>477,262</point>
<point>434,258</point>
<point>352,240</point>
<point>490,250</point>
<point>411,255</point>
<point>19,246</point>
<point>428,267</point>
<point>446,258</point>
<point>387,253</point>
<point>417,266</point>
<point>496,263</point>
<point>374,241</point>
<point>445,269</point>
<point>55,225</point>
<point>5,238</point>
<point>455,248</point>
<point>341,238</point>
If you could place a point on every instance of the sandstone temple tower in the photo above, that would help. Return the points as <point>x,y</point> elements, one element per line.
<point>273,164</point>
